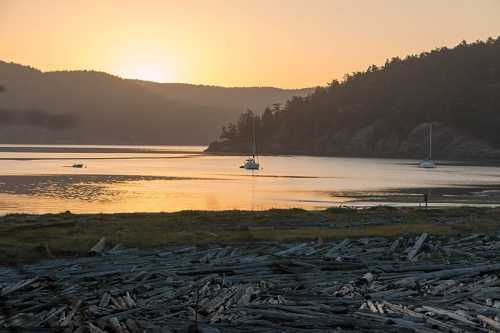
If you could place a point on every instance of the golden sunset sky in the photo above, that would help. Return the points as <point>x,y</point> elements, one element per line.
<point>284,43</point>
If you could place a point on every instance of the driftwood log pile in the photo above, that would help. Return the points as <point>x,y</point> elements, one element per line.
<point>409,284</point>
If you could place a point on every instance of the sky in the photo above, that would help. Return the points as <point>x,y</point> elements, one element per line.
<point>283,43</point>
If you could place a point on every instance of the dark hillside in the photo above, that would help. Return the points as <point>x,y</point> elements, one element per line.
<point>88,107</point>
<point>385,111</point>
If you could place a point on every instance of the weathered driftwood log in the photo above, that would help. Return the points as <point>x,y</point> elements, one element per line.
<point>132,326</point>
<point>418,245</point>
<point>98,247</point>
<point>16,286</point>
<point>450,314</point>
<point>94,329</point>
<point>70,316</point>
<point>292,249</point>
<point>490,322</point>
<point>115,326</point>
<point>252,288</point>
<point>446,274</point>
<point>395,244</point>
<point>333,252</point>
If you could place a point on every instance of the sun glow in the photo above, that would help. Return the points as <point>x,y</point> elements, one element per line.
<point>149,72</point>
<point>152,66</point>
<point>284,43</point>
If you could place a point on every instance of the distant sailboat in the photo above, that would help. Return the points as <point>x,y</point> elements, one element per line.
<point>428,163</point>
<point>252,162</point>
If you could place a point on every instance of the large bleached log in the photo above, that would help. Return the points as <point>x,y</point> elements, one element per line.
<point>366,279</point>
<point>393,294</point>
<point>279,315</point>
<point>482,309</point>
<point>465,239</point>
<point>371,306</point>
<point>115,326</point>
<point>99,247</point>
<point>333,252</point>
<point>16,286</point>
<point>70,316</point>
<point>443,286</point>
<point>210,305</point>
<point>94,329</point>
<point>446,274</point>
<point>104,300</point>
<point>490,322</point>
<point>132,326</point>
<point>450,314</point>
<point>395,244</point>
<point>418,245</point>
<point>447,327</point>
<point>397,324</point>
<point>243,295</point>
<point>129,300</point>
<point>44,317</point>
<point>414,268</point>
<point>298,309</point>
<point>292,250</point>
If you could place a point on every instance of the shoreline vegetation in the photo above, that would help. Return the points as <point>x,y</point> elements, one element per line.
<point>27,238</point>
<point>385,111</point>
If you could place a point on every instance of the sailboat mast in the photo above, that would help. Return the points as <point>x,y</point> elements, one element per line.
<point>430,143</point>
<point>253,138</point>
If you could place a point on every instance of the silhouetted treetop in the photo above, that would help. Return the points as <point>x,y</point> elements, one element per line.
<point>376,112</point>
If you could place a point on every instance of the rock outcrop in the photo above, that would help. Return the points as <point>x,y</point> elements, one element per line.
<point>448,143</point>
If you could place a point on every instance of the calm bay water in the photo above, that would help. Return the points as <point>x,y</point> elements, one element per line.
<point>40,179</point>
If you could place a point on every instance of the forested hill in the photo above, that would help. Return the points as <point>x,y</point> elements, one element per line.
<point>385,111</point>
<point>88,107</point>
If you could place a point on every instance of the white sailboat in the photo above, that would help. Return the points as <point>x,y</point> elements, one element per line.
<point>428,163</point>
<point>252,163</point>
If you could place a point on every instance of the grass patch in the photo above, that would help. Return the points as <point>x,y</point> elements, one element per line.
<point>27,237</point>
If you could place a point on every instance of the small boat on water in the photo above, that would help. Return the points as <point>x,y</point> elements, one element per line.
<point>252,163</point>
<point>428,163</point>
<point>77,165</point>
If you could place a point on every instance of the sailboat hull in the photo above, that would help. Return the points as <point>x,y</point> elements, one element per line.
<point>427,164</point>
<point>250,164</point>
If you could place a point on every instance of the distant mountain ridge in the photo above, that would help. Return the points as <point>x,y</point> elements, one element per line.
<point>230,98</point>
<point>90,107</point>
<point>386,110</point>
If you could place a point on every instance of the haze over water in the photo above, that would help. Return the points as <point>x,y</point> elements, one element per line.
<point>40,179</point>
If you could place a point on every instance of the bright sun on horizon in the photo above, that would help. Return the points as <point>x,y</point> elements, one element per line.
<point>149,72</point>
<point>150,66</point>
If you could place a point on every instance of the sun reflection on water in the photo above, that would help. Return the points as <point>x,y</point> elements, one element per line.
<point>182,178</point>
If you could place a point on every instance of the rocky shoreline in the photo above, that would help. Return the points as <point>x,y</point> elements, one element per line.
<point>448,144</point>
